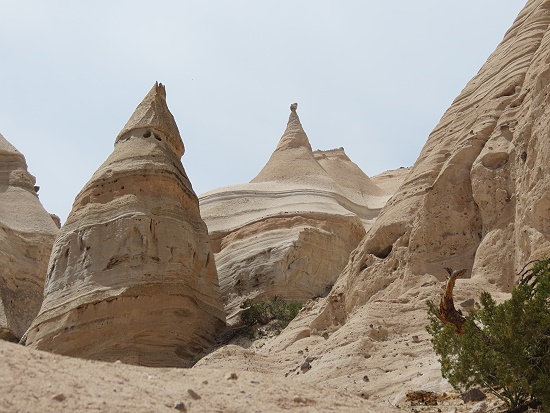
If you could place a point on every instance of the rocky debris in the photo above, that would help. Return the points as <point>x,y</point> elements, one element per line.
<point>469,303</point>
<point>59,397</point>
<point>289,232</point>
<point>473,395</point>
<point>378,333</point>
<point>27,233</point>
<point>180,406</point>
<point>194,395</point>
<point>480,407</point>
<point>132,274</point>
<point>305,367</point>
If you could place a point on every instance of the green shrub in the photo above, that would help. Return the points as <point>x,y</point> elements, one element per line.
<point>263,312</point>
<point>505,347</point>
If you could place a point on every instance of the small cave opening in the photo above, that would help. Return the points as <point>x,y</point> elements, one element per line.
<point>382,254</point>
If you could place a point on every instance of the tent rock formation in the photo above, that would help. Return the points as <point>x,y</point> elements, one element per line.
<point>478,197</point>
<point>132,275</point>
<point>289,232</point>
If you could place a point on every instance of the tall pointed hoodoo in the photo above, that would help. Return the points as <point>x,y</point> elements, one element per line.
<point>290,231</point>
<point>132,276</point>
<point>293,161</point>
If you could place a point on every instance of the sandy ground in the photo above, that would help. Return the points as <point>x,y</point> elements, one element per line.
<point>35,381</point>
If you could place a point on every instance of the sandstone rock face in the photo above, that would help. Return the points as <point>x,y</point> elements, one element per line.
<point>478,197</point>
<point>390,181</point>
<point>26,238</point>
<point>289,232</point>
<point>132,275</point>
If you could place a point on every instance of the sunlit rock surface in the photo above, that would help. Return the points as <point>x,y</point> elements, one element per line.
<point>289,232</point>
<point>132,275</point>
<point>478,197</point>
<point>27,233</point>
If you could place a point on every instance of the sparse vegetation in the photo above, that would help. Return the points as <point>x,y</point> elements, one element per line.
<point>275,312</point>
<point>504,347</point>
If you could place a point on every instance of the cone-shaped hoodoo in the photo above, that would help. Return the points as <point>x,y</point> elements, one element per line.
<point>293,161</point>
<point>132,276</point>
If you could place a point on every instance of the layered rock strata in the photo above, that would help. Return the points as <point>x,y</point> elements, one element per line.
<point>132,275</point>
<point>478,197</point>
<point>26,238</point>
<point>289,232</point>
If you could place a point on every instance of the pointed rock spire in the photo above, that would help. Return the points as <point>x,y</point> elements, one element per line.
<point>153,113</point>
<point>131,275</point>
<point>293,160</point>
<point>294,135</point>
<point>7,148</point>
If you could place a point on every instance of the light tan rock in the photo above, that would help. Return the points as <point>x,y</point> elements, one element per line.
<point>34,381</point>
<point>132,275</point>
<point>478,197</point>
<point>352,182</point>
<point>289,232</point>
<point>391,180</point>
<point>26,238</point>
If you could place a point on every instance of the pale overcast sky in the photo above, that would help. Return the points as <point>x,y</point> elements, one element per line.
<point>372,76</point>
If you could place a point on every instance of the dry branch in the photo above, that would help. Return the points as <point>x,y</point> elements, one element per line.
<point>447,311</point>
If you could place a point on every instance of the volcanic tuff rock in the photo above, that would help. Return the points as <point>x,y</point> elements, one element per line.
<point>289,232</point>
<point>26,238</point>
<point>132,275</point>
<point>478,197</point>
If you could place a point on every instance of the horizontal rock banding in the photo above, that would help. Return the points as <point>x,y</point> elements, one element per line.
<point>289,232</point>
<point>132,276</point>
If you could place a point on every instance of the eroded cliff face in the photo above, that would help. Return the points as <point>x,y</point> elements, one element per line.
<point>289,232</point>
<point>27,233</point>
<point>478,197</point>
<point>132,275</point>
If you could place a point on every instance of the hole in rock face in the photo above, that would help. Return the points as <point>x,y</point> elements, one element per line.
<point>147,134</point>
<point>523,156</point>
<point>383,253</point>
<point>157,137</point>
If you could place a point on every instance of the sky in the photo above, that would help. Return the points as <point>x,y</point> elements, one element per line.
<point>373,77</point>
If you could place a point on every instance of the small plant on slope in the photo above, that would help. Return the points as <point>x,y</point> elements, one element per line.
<point>504,347</point>
<point>264,312</point>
